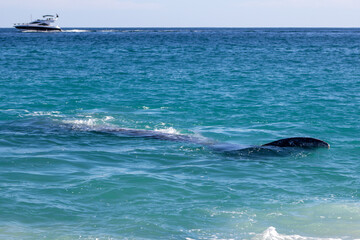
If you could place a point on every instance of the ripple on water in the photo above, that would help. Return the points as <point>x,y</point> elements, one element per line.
<point>65,174</point>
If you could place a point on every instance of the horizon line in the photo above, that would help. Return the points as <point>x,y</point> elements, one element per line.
<point>209,27</point>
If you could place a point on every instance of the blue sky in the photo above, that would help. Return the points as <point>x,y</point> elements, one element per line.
<point>186,13</point>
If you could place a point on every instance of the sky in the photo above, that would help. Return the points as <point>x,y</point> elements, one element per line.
<point>185,13</point>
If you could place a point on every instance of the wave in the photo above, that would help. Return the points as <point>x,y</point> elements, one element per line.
<point>272,234</point>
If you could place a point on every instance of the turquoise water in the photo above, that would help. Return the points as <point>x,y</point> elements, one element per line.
<point>63,176</point>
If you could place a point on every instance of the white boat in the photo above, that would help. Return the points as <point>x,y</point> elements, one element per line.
<point>40,24</point>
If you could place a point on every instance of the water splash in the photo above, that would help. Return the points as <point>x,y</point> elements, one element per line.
<point>169,130</point>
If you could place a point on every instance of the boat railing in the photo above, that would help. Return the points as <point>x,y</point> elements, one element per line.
<point>16,24</point>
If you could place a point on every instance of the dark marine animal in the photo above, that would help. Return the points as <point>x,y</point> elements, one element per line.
<point>282,145</point>
<point>300,142</point>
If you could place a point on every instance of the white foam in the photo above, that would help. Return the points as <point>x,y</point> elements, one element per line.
<point>272,234</point>
<point>88,122</point>
<point>108,30</point>
<point>44,113</point>
<point>107,118</point>
<point>83,124</point>
<point>169,130</point>
<point>76,30</point>
<point>38,31</point>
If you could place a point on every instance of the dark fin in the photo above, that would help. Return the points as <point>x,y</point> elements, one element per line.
<point>300,142</point>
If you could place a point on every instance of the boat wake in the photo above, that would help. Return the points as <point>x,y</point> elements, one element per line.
<point>76,30</point>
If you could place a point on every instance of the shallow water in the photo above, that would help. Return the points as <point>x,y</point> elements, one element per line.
<point>61,177</point>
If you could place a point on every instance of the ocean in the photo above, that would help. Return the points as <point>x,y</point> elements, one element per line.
<point>67,171</point>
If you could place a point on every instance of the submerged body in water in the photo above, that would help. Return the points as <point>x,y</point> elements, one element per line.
<point>275,146</point>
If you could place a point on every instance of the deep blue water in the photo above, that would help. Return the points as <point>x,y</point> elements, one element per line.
<point>65,175</point>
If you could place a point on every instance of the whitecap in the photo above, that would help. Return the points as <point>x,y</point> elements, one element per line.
<point>272,234</point>
<point>107,118</point>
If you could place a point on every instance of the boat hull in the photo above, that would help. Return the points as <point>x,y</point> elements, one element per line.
<point>38,28</point>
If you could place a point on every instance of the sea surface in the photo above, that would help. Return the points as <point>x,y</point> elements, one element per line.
<point>68,172</point>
